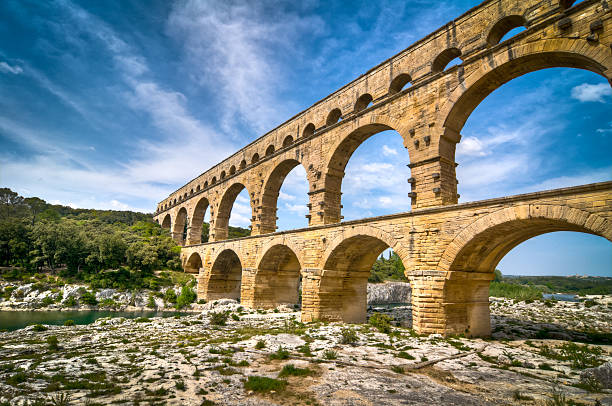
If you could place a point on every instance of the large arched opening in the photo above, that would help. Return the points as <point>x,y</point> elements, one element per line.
<point>284,198</point>
<point>199,230</point>
<point>277,278</point>
<point>225,277</point>
<point>366,175</point>
<point>181,224</point>
<point>235,203</point>
<point>342,292</point>
<point>475,252</point>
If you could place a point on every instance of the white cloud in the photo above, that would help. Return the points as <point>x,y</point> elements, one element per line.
<point>471,146</point>
<point>117,205</point>
<point>385,201</point>
<point>237,48</point>
<point>14,69</point>
<point>587,92</point>
<point>285,196</point>
<point>388,151</point>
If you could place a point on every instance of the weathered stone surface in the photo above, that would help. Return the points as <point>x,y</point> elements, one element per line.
<point>449,250</point>
<point>602,375</point>
<point>390,292</point>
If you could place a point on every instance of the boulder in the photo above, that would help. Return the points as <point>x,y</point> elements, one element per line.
<point>389,292</point>
<point>602,375</point>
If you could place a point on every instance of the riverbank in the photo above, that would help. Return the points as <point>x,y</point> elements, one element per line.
<point>228,355</point>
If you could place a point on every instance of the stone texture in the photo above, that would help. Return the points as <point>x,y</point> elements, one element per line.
<point>449,250</point>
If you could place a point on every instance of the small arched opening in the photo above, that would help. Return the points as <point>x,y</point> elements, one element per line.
<point>243,164</point>
<point>287,141</point>
<point>232,169</point>
<point>270,150</point>
<point>222,175</point>
<point>333,117</point>
<point>308,130</point>
<point>506,28</point>
<point>447,58</point>
<point>255,158</point>
<point>363,102</point>
<point>399,83</point>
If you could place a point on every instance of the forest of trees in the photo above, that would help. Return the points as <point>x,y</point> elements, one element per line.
<point>38,236</point>
<point>390,268</point>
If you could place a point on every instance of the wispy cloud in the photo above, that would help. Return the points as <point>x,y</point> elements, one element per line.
<point>587,92</point>
<point>13,69</point>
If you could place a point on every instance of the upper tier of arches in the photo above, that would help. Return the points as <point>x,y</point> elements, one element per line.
<point>476,31</point>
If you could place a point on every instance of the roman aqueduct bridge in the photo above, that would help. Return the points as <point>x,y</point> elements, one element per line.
<point>449,250</point>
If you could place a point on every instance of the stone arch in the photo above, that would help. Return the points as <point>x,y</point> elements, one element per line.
<point>222,176</point>
<point>308,130</point>
<point>255,158</point>
<point>277,278</point>
<point>333,117</point>
<point>504,26</point>
<point>398,83</point>
<point>341,152</point>
<point>281,240</point>
<point>224,210</point>
<point>516,61</point>
<point>193,263</point>
<point>287,141</point>
<point>270,150</point>
<point>224,279</point>
<point>213,180</point>
<point>346,266</point>
<point>471,257</point>
<point>243,164</point>
<point>363,102</point>
<point>232,170</point>
<point>167,222</point>
<point>270,192</point>
<point>439,64</point>
<point>197,221</point>
<point>178,228</point>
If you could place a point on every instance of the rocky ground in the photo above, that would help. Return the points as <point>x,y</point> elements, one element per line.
<point>269,358</point>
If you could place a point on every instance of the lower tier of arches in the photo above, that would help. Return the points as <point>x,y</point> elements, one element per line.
<point>449,255</point>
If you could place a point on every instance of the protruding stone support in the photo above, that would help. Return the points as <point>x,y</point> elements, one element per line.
<point>435,183</point>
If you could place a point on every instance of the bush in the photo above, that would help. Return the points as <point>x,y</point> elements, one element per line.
<point>170,296</point>
<point>348,336</point>
<point>48,301</point>
<point>260,344</point>
<point>280,353</point>
<point>70,302</point>
<point>186,297</point>
<point>52,341</point>
<point>219,318</point>
<point>69,323</point>
<point>39,327</point>
<point>88,298</point>
<point>151,301</point>
<point>330,354</point>
<point>291,370</point>
<point>515,291</point>
<point>381,321</point>
<point>262,384</point>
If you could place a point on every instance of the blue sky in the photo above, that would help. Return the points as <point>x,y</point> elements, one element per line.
<point>116,104</point>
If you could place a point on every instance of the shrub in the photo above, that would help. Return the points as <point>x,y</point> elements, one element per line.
<point>89,298</point>
<point>405,355</point>
<point>180,384</point>
<point>48,301</point>
<point>280,353</point>
<point>151,301</point>
<point>52,341</point>
<point>235,317</point>
<point>262,384</point>
<point>39,327</point>
<point>170,296</point>
<point>348,336</point>
<point>219,318</point>
<point>142,320</point>
<point>69,323</point>
<point>397,369</point>
<point>260,344</point>
<point>515,291</point>
<point>291,370</point>
<point>381,321</point>
<point>187,297</point>
<point>70,301</point>
<point>330,354</point>
<point>590,303</point>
